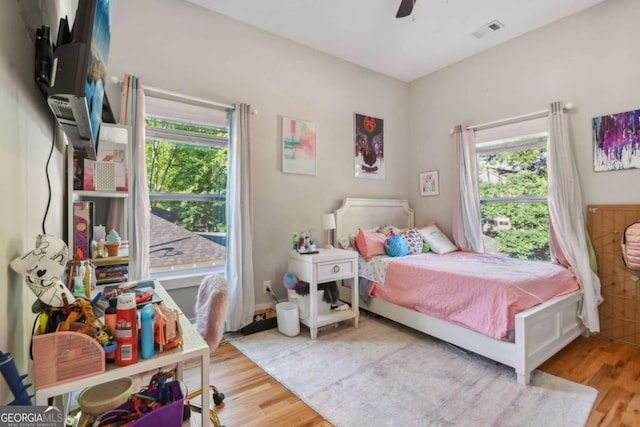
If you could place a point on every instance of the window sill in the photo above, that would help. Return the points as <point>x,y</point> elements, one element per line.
<point>185,278</point>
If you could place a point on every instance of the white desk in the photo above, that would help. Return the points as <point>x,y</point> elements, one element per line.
<point>194,347</point>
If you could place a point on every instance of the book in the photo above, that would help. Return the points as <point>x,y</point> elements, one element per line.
<point>82,229</point>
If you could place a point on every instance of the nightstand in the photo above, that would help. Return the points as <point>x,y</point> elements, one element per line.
<point>327,265</point>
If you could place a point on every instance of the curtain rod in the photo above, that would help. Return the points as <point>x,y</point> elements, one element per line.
<point>530,116</point>
<point>152,90</point>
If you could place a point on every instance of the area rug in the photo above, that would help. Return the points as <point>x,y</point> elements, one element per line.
<point>384,374</point>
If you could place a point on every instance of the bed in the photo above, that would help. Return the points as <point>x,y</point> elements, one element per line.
<point>538,332</point>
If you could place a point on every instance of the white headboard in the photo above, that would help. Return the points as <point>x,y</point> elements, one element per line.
<point>367,213</point>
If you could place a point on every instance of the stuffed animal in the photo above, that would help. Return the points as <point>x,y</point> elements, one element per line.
<point>289,280</point>
<point>43,269</point>
<point>395,245</point>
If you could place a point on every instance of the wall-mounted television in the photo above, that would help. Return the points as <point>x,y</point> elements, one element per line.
<point>78,73</point>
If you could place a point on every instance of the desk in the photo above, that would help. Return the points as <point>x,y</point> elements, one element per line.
<point>194,347</point>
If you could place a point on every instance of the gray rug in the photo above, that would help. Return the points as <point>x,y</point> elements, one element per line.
<point>383,374</point>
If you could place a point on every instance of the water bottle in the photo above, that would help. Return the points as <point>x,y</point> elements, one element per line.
<point>126,330</point>
<point>146,319</point>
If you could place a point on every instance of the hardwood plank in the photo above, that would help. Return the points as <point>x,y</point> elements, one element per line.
<point>610,367</point>
<point>253,398</point>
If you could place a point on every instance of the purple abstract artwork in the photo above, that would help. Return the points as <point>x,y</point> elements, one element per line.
<point>616,141</point>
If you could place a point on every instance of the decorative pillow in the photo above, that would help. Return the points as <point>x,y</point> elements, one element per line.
<point>345,242</point>
<point>425,247</point>
<point>413,239</point>
<point>370,244</point>
<point>348,240</point>
<point>436,239</point>
<point>396,246</point>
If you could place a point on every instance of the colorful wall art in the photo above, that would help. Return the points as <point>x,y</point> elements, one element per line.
<point>369,147</point>
<point>429,184</point>
<point>616,141</point>
<point>298,146</point>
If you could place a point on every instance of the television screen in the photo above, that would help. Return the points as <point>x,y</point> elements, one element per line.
<point>97,66</point>
<point>79,68</point>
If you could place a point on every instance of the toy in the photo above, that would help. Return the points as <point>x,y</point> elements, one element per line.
<point>289,280</point>
<point>112,243</point>
<point>43,269</point>
<point>14,380</point>
<point>395,245</point>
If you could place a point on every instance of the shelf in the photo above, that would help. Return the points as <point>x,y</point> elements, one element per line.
<point>112,208</point>
<point>110,260</point>
<point>333,317</point>
<point>101,194</point>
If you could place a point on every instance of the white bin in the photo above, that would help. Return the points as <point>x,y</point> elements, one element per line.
<point>288,320</point>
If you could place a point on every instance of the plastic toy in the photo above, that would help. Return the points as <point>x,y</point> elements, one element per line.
<point>14,380</point>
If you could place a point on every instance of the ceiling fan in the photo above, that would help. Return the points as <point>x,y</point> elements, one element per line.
<point>406,7</point>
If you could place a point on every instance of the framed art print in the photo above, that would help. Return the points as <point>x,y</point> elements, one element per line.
<point>298,146</point>
<point>429,185</point>
<point>369,147</point>
<point>616,141</point>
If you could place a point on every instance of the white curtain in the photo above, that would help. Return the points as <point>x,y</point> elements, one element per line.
<point>570,241</point>
<point>132,113</point>
<point>467,229</point>
<point>239,266</point>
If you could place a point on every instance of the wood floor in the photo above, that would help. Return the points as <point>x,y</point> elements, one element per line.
<point>253,398</point>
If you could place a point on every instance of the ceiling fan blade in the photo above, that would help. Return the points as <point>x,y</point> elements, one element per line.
<point>406,7</point>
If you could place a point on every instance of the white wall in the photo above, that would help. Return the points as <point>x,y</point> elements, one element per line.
<point>26,133</point>
<point>181,47</point>
<point>589,59</point>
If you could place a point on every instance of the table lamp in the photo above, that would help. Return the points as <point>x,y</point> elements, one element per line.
<point>328,223</point>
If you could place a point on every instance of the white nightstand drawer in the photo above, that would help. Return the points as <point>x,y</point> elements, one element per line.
<point>335,270</point>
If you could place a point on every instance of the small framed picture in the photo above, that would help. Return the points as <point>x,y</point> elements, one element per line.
<point>429,185</point>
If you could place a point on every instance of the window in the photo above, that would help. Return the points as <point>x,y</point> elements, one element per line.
<point>512,175</point>
<point>186,157</point>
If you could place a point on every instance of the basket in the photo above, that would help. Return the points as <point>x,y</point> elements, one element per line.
<point>59,357</point>
<point>170,414</point>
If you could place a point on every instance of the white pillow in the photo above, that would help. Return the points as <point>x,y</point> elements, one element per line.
<point>438,242</point>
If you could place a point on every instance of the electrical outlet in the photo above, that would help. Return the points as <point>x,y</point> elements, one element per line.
<point>266,286</point>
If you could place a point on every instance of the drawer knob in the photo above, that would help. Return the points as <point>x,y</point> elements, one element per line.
<point>336,268</point>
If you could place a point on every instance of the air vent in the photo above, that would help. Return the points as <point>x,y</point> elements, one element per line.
<point>487,28</point>
<point>61,108</point>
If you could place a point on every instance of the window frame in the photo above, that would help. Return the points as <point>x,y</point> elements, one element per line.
<point>192,139</point>
<point>512,138</point>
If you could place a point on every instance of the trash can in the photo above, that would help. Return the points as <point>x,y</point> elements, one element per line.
<point>288,320</point>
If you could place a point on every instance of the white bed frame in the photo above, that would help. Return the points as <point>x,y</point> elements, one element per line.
<point>540,331</point>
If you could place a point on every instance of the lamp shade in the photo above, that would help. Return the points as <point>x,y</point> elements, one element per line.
<point>328,222</point>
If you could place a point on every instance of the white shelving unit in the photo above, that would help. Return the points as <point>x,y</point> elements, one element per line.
<point>106,202</point>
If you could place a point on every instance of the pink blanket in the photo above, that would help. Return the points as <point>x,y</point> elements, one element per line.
<point>482,292</point>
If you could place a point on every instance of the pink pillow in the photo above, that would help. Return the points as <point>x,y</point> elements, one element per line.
<point>370,244</point>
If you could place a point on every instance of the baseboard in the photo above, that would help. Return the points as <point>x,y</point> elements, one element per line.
<point>264,306</point>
